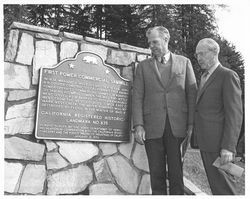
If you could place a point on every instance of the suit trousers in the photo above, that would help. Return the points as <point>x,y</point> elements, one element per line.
<point>156,150</point>
<point>220,182</point>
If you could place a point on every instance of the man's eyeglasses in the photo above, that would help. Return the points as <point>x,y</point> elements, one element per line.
<point>197,54</point>
<point>200,54</point>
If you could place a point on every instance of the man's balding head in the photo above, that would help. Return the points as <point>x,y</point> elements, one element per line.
<point>210,45</point>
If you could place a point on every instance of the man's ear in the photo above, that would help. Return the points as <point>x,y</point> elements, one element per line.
<point>166,40</point>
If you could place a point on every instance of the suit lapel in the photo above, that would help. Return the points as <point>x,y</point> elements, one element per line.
<point>156,70</point>
<point>173,70</point>
<point>209,81</point>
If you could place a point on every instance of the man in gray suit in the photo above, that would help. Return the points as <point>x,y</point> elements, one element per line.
<point>218,115</point>
<point>164,94</point>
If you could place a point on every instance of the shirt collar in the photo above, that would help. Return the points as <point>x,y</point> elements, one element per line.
<point>166,56</point>
<point>212,69</point>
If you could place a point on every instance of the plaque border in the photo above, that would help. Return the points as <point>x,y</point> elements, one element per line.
<point>75,139</point>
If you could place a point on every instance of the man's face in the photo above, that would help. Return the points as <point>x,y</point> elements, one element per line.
<point>157,43</point>
<point>204,56</point>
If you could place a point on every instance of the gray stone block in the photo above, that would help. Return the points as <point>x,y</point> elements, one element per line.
<point>134,48</point>
<point>140,157</point>
<point>126,148</point>
<point>16,76</point>
<point>48,37</point>
<point>12,172</point>
<point>108,148</point>
<point>68,49</point>
<point>16,95</point>
<point>101,171</point>
<point>12,45</point>
<point>72,36</point>
<point>127,73</point>
<point>33,178</point>
<point>69,181</point>
<point>141,57</point>
<point>24,110</point>
<point>18,25</point>
<point>19,126</point>
<point>145,187</point>
<point>21,149</point>
<point>50,145</point>
<point>45,50</point>
<point>55,161</point>
<point>97,49</point>
<point>77,152</point>
<point>103,42</point>
<point>124,174</point>
<point>26,49</point>
<point>119,57</point>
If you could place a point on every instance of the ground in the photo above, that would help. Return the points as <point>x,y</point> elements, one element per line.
<point>194,171</point>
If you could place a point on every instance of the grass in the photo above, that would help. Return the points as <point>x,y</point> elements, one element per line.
<point>194,171</point>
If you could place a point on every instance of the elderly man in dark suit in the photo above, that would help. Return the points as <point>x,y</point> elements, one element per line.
<point>218,115</point>
<point>164,94</point>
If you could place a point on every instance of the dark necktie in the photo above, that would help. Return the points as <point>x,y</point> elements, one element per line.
<point>203,79</point>
<point>163,60</point>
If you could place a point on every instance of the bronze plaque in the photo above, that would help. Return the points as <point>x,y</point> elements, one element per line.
<point>83,99</point>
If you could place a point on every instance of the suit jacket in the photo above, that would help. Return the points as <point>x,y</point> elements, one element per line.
<point>218,114</point>
<point>152,100</point>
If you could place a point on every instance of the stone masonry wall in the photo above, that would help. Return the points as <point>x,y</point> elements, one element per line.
<point>46,167</point>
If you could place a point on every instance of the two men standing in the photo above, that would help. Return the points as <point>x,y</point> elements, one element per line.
<point>165,101</point>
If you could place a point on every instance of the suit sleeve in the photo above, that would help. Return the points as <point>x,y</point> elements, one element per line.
<point>233,111</point>
<point>191,92</point>
<point>137,97</point>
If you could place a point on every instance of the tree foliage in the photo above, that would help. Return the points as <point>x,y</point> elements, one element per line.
<point>187,24</point>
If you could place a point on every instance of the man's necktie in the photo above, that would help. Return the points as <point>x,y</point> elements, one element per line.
<point>203,79</point>
<point>163,60</point>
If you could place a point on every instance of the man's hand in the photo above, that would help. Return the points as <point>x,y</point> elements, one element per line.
<point>226,156</point>
<point>139,134</point>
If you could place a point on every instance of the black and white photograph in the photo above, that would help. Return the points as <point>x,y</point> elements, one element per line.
<point>117,98</point>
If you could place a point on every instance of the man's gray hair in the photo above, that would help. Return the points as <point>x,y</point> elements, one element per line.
<point>164,33</point>
<point>211,44</point>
